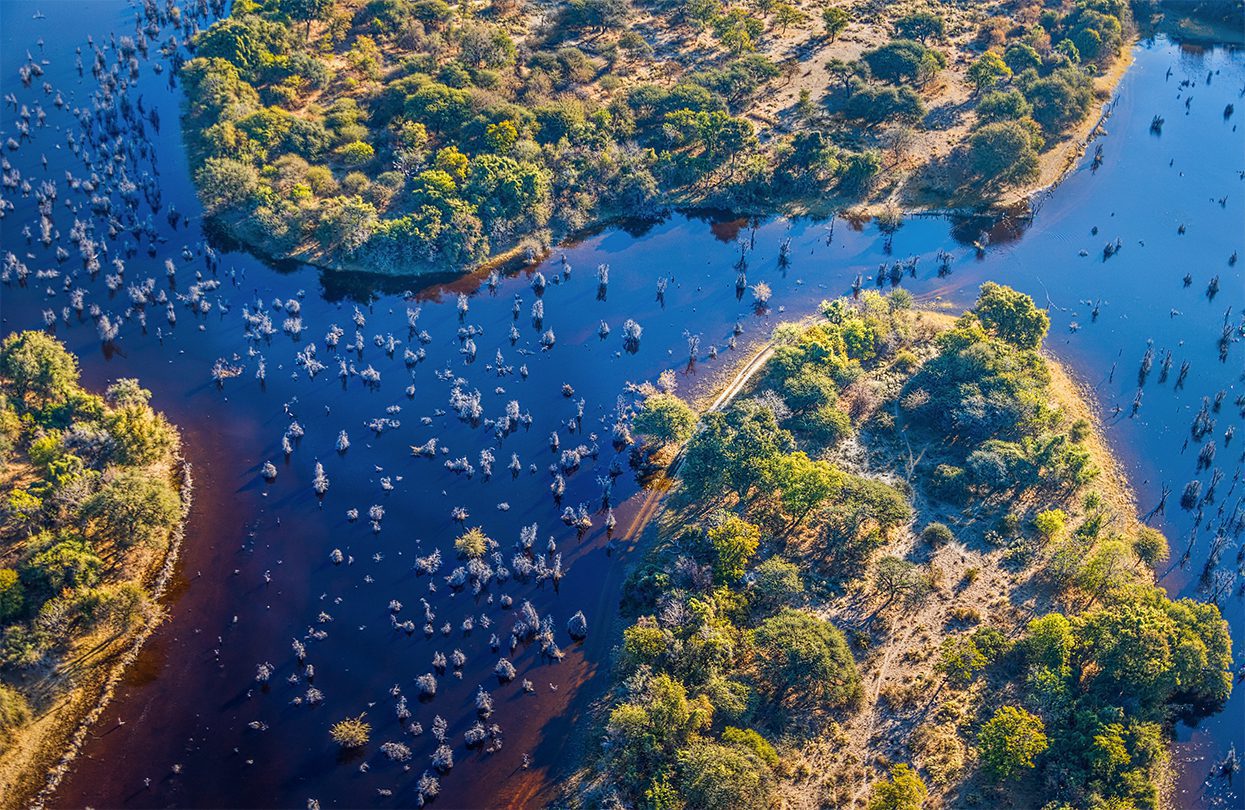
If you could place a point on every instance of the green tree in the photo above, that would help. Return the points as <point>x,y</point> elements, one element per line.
<point>904,60</point>
<point>749,739</point>
<point>645,733</point>
<point>776,583</point>
<point>356,153</point>
<point>785,15</point>
<point>1154,653</point>
<point>346,223</point>
<point>904,790</point>
<point>897,578</point>
<point>1107,569</point>
<point>1150,546</point>
<point>306,10</point>
<point>1003,105</point>
<point>1049,642</point>
<point>69,562</point>
<point>1003,153</point>
<point>1050,524</point>
<point>987,71</point>
<point>873,105</point>
<point>960,659</point>
<point>1011,315</point>
<point>141,435</point>
<point>803,484</point>
<point>1010,741</point>
<point>835,20</point>
<point>1021,56</point>
<point>809,389</point>
<point>805,660</point>
<point>133,507</point>
<point>1060,99</point>
<point>843,72</point>
<point>733,542</point>
<point>664,418</point>
<point>505,189</point>
<point>126,391</point>
<point>921,26</point>
<point>38,367</point>
<point>597,15</point>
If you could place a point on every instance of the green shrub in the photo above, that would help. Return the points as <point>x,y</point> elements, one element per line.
<point>1050,523</point>
<point>937,534</point>
<point>357,153</point>
<point>904,790</point>
<point>12,595</point>
<point>1010,742</point>
<point>776,583</point>
<point>949,483</point>
<point>750,740</point>
<point>712,776</point>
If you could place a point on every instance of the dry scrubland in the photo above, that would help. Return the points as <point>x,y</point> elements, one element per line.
<point>92,499</point>
<point>405,135</point>
<point>901,567</point>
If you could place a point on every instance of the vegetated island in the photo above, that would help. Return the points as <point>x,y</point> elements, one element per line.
<point>93,497</point>
<point>405,136</point>
<point>904,567</point>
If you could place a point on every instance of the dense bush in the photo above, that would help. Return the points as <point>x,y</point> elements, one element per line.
<point>1004,153</point>
<point>727,657</point>
<point>1050,87</point>
<point>803,659</point>
<point>904,61</point>
<point>1105,682</point>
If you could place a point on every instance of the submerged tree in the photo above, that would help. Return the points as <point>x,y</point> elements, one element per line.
<point>352,732</point>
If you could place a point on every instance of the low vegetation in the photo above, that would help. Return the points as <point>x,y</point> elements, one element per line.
<point>406,135</point>
<point>896,571</point>
<point>89,502</point>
